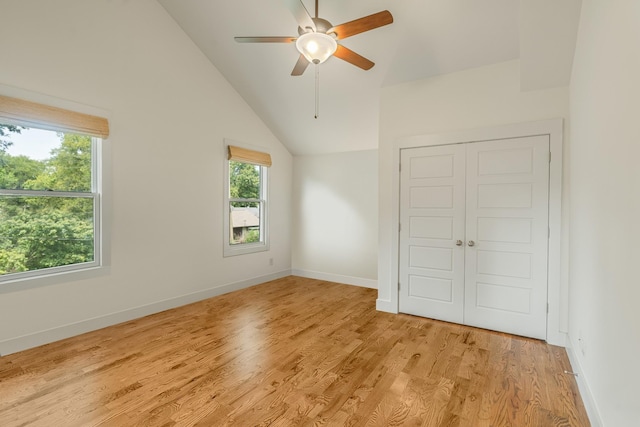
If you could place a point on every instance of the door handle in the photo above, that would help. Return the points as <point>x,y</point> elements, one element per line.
<point>458,242</point>
<point>471,243</point>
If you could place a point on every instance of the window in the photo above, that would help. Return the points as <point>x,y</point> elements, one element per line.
<point>49,198</point>
<point>246,201</point>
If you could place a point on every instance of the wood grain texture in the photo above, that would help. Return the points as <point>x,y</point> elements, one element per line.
<point>361,25</point>
<point>351,57</point>
<point>291,352</point>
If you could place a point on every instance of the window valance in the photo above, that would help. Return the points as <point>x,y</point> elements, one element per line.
<point>245,155</point>
<point>19,111</point>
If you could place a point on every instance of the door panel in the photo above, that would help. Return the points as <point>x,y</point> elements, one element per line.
<point>505,264</point>
<point>507,161</point>
<point>507,185</point>
<point>431,258</point>
<point>431,288</point>
<point>504,195</point>
<point>504,298</point>
<point>431,228</point>
<point>434,166</point>
<point>432,197</point>
<point>504,230</point>
<point>432,218</point>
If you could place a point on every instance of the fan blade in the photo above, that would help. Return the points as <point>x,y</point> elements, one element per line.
<point>361,25</point>
<point>300,13</point>
<point>274,39</point>
<point>351,57</point>
<point>300,66</point>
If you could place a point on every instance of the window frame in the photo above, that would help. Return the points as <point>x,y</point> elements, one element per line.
<point>23,108</point>
<point>229,249</point>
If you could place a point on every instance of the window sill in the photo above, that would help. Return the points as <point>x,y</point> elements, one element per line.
<point>55,278</point>
<point>247,248</point>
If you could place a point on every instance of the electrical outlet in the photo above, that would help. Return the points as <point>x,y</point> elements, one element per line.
<point>581,344</point>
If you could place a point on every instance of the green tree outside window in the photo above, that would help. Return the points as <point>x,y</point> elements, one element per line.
<point>41,232</point>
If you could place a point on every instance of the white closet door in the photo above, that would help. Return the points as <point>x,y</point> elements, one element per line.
<point>507,211</point>
<point>493,196</point>
<point>432,220</point>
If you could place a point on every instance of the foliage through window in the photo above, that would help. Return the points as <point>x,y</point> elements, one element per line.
<point>245,220</point>
<point>48,200</point>
<point>246,203</point>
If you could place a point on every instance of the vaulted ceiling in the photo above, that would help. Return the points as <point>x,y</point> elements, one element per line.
<point>426,39</point>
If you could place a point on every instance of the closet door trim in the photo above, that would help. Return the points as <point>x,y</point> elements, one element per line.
<point>557,290</point>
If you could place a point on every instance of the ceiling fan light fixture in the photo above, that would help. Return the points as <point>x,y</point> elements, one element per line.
<point>316,47</point>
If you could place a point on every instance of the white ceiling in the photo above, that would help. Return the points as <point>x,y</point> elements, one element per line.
<point>427,38</point>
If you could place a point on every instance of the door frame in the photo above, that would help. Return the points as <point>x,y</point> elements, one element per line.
<point>554,129</point>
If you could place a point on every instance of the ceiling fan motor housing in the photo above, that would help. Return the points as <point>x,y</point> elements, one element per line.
<point>322,26</point>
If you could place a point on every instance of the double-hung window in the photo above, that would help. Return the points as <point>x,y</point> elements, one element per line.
<point>49,189</point>
<point>246,227</point>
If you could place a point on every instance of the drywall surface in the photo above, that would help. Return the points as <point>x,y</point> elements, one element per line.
<point>335,199</point>
<point>169,111</point>
<point>605,207</point>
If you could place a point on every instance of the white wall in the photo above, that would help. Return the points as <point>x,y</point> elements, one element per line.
<point>471,99</point>
<point>169,111</point>
<point>605,207</point>
<point>335,199</point>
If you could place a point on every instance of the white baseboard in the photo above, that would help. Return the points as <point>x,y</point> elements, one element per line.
<point>558,338</point>
<point>386,306</point>
<point>583,385</point>
<point>347,280</point>
<point>25,342</point>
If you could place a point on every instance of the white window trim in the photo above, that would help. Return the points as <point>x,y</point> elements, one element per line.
<point>230,250</point>
<point>101,164</point>
<point>94,194</point>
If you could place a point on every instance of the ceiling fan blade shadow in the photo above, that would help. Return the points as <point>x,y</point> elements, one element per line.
<point>361,25</point>
<point>301,14</point>
<point>273,39</point>
<point>351,57</point>
<point>300,66</point>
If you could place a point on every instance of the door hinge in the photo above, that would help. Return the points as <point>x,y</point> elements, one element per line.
<point>398,285</point>
<point>399,167</point>
<point>549,234</point>
<point>547,308</point>
<point>549,156</point>
<point>399,227</point>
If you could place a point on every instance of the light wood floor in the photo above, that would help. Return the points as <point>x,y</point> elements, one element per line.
<point>285,353</point>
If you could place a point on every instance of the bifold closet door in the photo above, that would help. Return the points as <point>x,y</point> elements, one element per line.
<point>432,221</point>
<point>507,218</point>
<point>474,234</point>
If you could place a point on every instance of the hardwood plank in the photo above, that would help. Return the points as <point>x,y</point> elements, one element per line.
<point>291,352</point>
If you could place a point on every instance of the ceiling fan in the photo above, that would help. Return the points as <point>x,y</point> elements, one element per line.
<point>317,40</point>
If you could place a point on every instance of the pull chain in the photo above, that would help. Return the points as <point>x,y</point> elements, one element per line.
<point>317,91</point>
